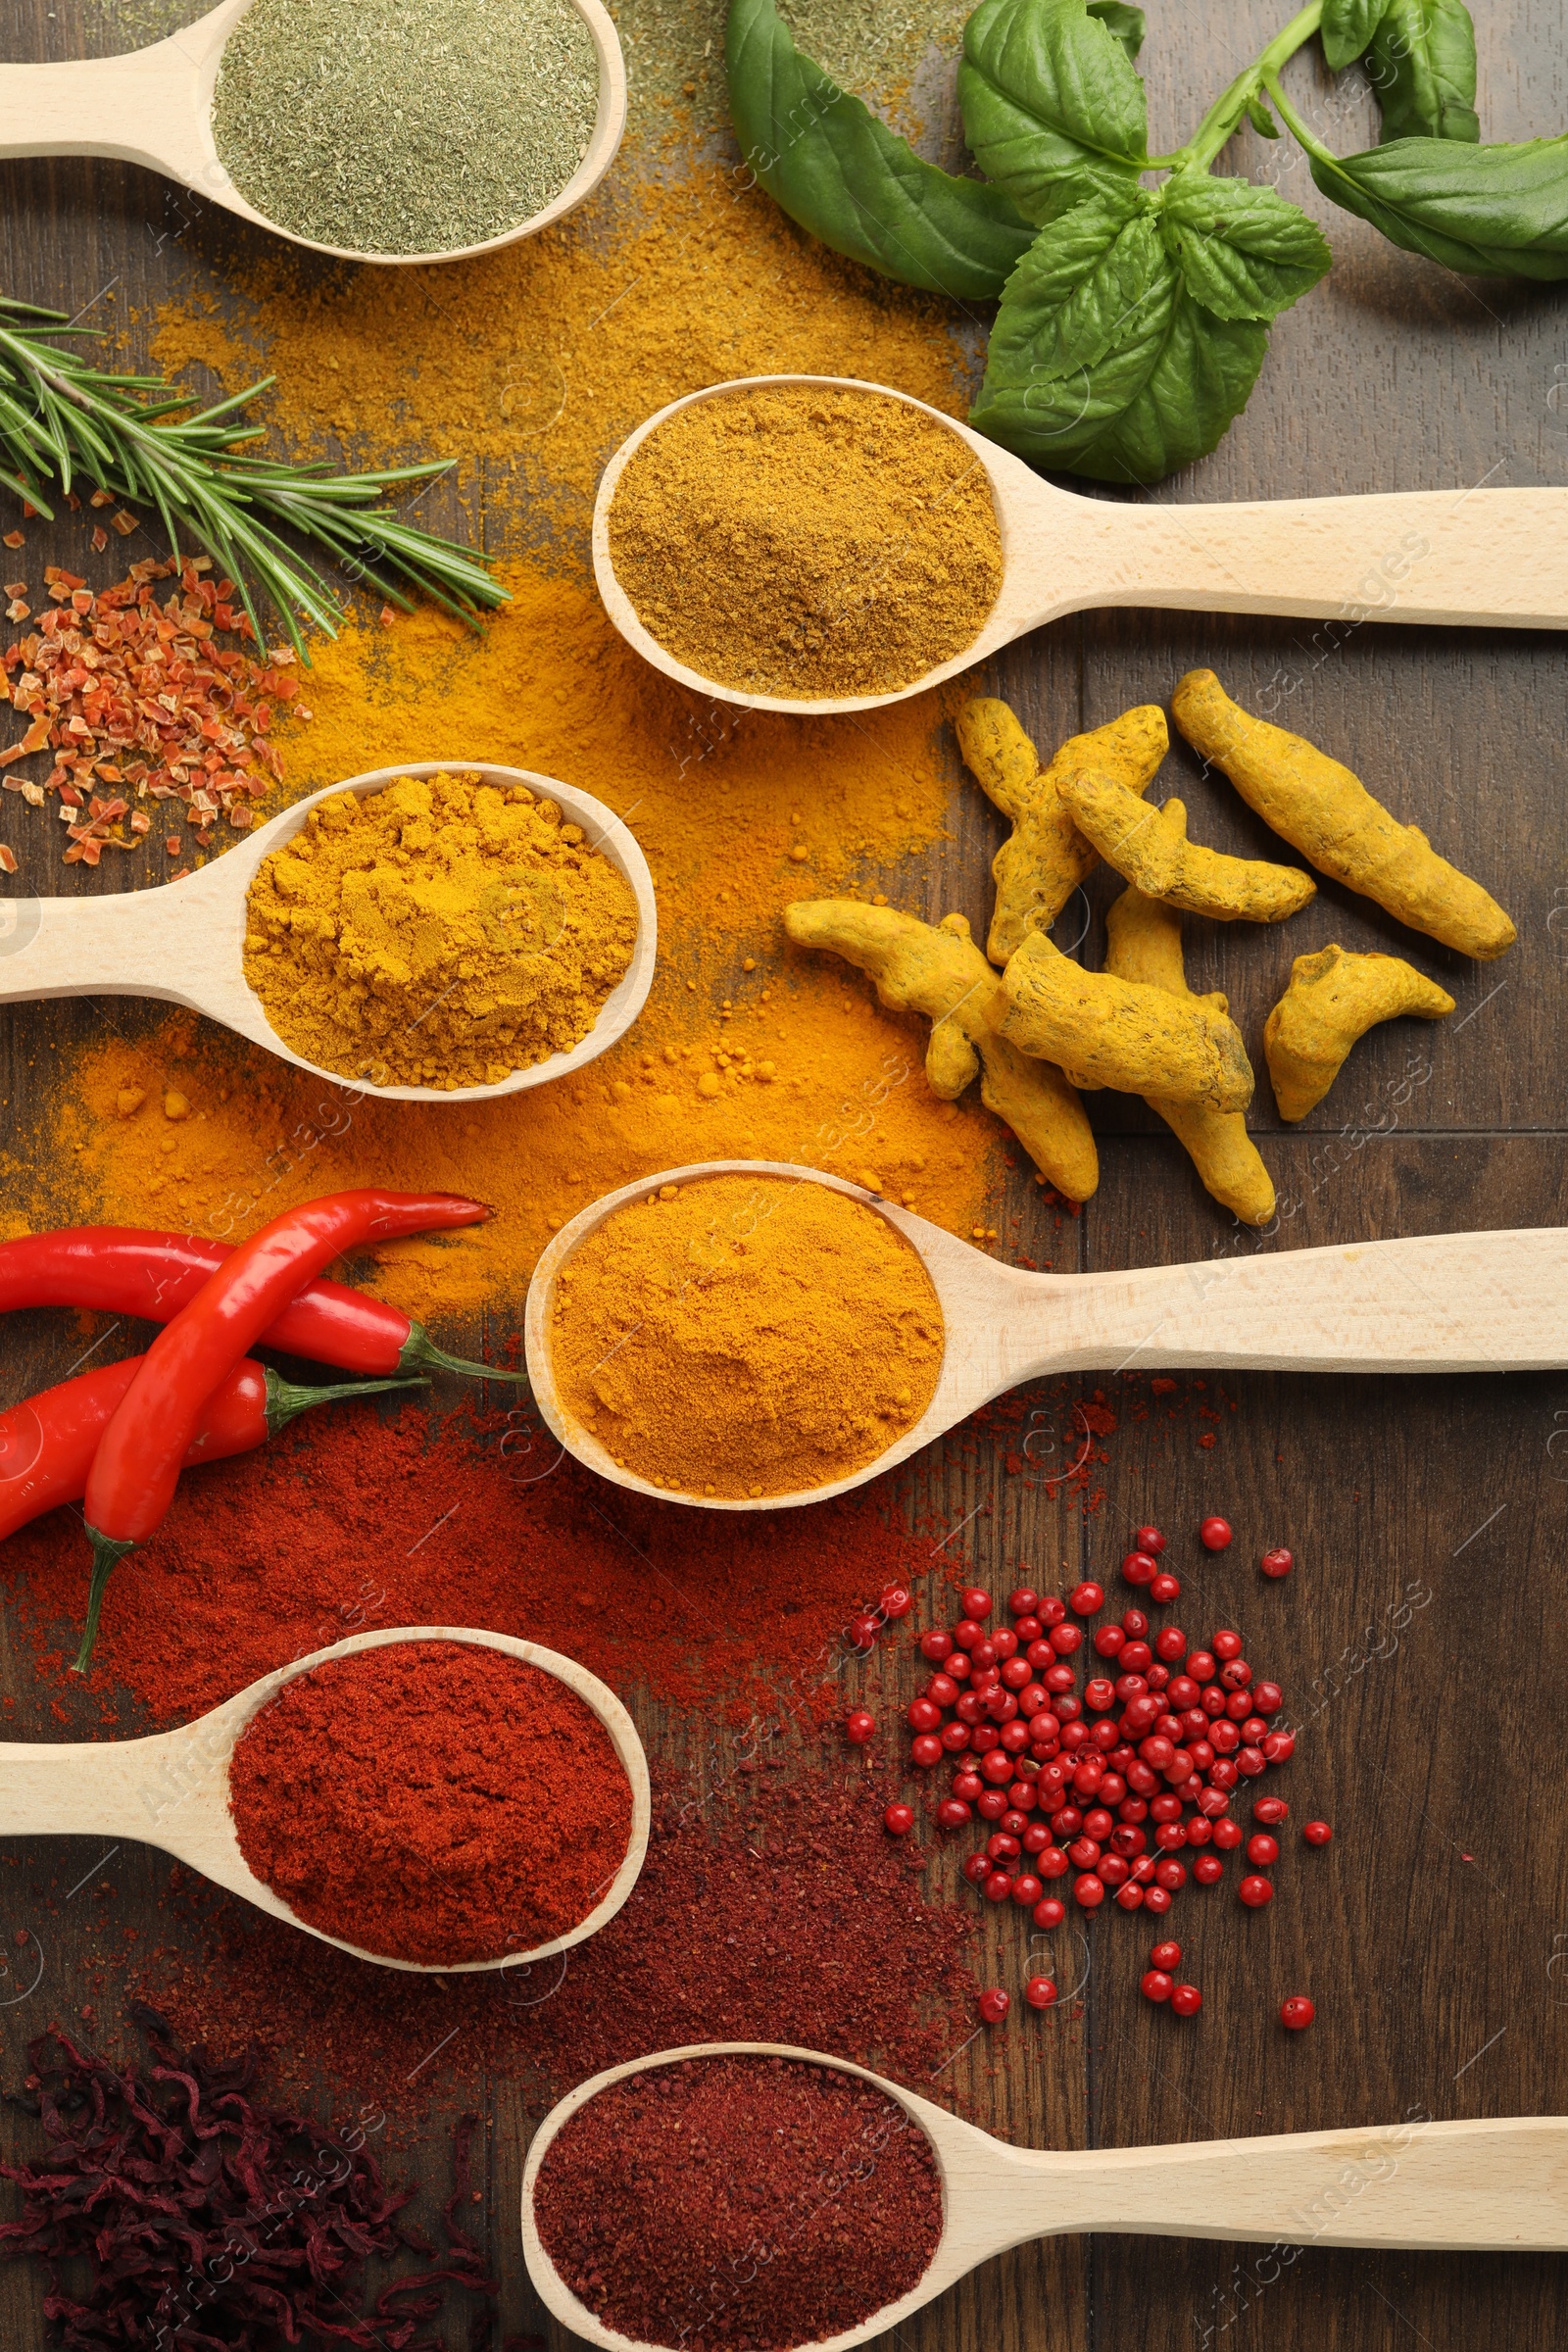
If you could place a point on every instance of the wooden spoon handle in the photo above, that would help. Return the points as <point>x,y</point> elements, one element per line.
<point>1439,1302</point>
<point>116,1788</point>
<point>116,106</point>
<point>133,943</point>
<point>151,106</point>
<point>1498,2185</point>
<point>1474,556</point>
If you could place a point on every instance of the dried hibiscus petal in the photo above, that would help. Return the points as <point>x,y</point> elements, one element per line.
<point>200,2216</point>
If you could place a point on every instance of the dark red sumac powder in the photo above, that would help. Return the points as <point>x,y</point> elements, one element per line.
<point>431,1800</point>
<point>745,2202</point>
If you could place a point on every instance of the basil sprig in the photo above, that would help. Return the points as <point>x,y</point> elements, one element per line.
<point>839,171</point>
<point>1132,318</point>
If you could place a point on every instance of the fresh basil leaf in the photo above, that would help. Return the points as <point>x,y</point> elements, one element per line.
<point>1488,211</point>
<point>1052,109</point>
<point>1346,28</point>
<point>1101,363</point>
<point>1422,64</point>
<point>1242,251</point>
<point>838,170</point>
<point>1260,119</point>
<point>1127,24</point>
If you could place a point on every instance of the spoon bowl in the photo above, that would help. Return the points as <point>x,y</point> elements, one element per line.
<point>171,1790</point>
<point>1481,557</point>
<point>1437,1302</point>
<point>1494,2185</point>
<point>154,106</point>
<point>184,941</point>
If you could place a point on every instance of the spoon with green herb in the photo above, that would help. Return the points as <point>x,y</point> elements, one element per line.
<point>374,131</point>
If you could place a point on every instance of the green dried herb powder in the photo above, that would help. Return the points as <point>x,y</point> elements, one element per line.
<point>405,125</point>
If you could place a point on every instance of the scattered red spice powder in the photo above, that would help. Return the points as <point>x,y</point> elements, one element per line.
<point>741,2202</point>
<point>764,1911</point>
<point>143,700</point>
<point>374,1521</point>
<point>432,1800</point>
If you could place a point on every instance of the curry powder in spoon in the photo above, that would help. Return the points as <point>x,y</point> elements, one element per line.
<point>797,540</point>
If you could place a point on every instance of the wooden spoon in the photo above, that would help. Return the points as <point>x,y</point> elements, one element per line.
<point>1481,558</point>
<point>154,106</point>
<point>171,1790</point>
<point>1437,1302</point>
<point>1490,2186</point>
<point>184,941</point>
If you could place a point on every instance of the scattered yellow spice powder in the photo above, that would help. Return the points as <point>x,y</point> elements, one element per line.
<point>442,932</point>
<point>745,1336</point>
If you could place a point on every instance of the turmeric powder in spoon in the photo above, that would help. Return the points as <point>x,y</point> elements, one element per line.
<point>745,1336</point>
<point>442,932</point>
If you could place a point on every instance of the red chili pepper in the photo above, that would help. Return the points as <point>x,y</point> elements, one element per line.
<point>47,1443</point>
<point>120,1270</point>
<point>136,1467</point>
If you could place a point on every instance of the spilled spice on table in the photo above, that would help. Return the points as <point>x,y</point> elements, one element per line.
<point>769,1911</point>
<point>735,813</point>
<point>543,357</point>
<point>384,1523</point>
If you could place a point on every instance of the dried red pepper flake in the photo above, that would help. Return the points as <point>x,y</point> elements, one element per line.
<point>109,676</point>
<point>191,2211</point>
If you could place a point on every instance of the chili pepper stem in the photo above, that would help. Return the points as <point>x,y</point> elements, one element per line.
<point>286,1398</point>
<point>419,1349</point>
<point>106,1552</point>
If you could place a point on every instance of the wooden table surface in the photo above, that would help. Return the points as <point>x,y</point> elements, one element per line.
<point>1423,1641</point>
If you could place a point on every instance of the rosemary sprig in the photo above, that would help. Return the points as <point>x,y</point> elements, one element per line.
<point>62,421</point>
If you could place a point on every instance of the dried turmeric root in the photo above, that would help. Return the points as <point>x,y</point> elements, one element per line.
<point>1149,848</point>
<point>1327,814</point>
<point>1333,1000</point>
<point>1038,869</point>
<point>1144,945</point>
<point>938,971</point>
<point>1120,1033</point>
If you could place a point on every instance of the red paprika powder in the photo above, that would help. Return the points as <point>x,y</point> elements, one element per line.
<point>372,1522</point>
<point>431,1800</point>
<point>739,2203</point>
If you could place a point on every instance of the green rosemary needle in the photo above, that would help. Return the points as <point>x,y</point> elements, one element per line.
<point>62,421</point>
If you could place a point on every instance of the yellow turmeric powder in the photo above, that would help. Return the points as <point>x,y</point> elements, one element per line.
<point>745,1336</point>
<point>1039,868</point>
<point>537,361</point>
<point>442,932</point>
<point>938,971</point>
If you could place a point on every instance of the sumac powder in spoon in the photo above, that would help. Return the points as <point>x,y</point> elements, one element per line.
<point>431,1800</point>
<point>742,2201</point>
